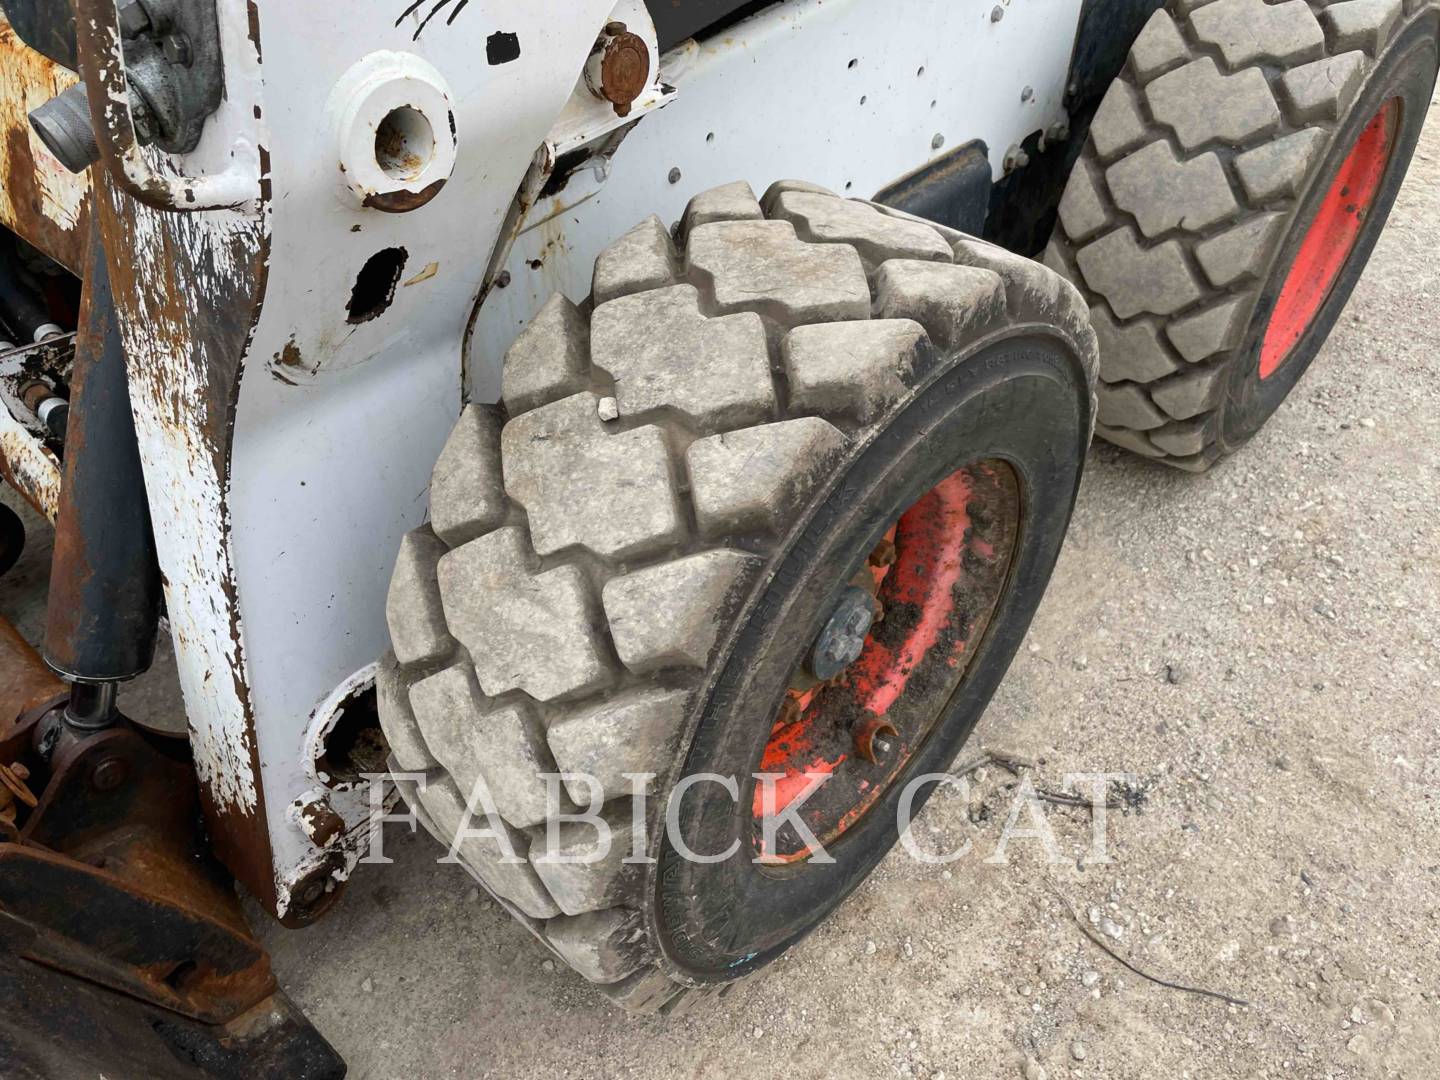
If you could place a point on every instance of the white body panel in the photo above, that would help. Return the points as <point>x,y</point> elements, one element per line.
<point>332,454</point>
<point>776,97</point>
<point>277,565</point>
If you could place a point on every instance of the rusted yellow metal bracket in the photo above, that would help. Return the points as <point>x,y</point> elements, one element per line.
<point>40,200</point>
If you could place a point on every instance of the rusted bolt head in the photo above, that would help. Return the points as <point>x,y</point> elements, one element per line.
<point>624,70</point>
<point>133,18</point>
<point>108,774</point>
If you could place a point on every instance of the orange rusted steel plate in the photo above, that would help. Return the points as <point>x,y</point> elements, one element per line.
<point>25,682</point>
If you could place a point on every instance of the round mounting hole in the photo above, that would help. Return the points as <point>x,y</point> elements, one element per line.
<point>404,144</point>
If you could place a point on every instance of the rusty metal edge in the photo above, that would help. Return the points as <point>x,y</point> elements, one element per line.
<point>241,838</point>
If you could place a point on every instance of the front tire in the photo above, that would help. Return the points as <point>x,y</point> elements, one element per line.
<point>628,561</point>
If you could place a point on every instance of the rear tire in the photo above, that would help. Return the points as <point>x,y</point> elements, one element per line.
<point>1210,163</point>
<point>626,557</point>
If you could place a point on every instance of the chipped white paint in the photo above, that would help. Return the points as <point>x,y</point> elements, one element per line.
<point>34,468</point>
<point>585,117</point>
<point>187,504</point>
<point>168,182</point>
<point>350,801</point>
<point>171,368</point>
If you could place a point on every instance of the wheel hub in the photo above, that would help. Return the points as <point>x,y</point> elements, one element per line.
<point>890,656</point>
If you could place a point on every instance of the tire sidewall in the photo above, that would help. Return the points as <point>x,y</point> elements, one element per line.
<point>1022,399</point>
<point>1406,70</point>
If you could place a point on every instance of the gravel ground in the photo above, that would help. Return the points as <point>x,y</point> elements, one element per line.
<point>1258,647</point>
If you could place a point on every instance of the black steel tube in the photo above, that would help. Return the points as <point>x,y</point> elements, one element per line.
<point>104,602</point>
<point>20,306</point>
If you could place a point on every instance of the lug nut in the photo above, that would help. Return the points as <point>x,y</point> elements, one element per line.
<point>884,554</point>
<point>875,741</point>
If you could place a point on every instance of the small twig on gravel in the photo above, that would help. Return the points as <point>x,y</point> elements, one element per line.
<point>1097,941</point>
<point>1007,760</point>
<point>1064,799</point>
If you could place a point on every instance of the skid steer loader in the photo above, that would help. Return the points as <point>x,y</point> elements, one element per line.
<point>334,351</point>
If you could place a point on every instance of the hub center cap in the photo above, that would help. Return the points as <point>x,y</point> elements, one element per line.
<point>843,639</point>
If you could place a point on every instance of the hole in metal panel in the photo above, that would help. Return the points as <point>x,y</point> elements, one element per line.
<point>375,285</point>
<point>355,745</point>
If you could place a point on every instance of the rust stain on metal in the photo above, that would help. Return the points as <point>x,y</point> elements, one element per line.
<point>31,469</point>
<point>402,202</point>
<point>40,200</point>
<point>871,736</point>
<point>25,682</point>
<point>252,14</point>
<point>290,355</point>
<point>320,823</point>
<point>99,52</point>
<point>26,459</point>
<point>15,793</point>
<point>288,364</point>
<point>624,69</point>
<point>117,886</point>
